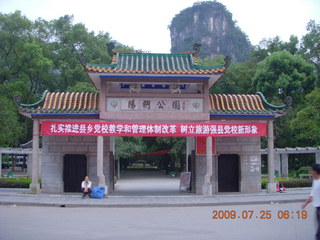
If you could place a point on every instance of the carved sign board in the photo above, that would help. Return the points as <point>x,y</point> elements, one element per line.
<point>185,181</point>
<point>154,105</point>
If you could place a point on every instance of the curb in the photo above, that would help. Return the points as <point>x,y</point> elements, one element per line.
<point>147,205</point>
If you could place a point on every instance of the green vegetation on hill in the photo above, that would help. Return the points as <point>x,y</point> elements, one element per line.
<point>210,24</point>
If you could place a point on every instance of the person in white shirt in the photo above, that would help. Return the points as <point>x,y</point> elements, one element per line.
<point>86,187</point>
<point>315,194</point>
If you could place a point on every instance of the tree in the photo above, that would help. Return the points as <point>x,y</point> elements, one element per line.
<point>14,32</point>
<point>10,128</point>
<point>310,47</point>
<point>268,46</point>
<point>282,74</point>
<point>40,55</point>
<point>237,79</point>
<point>36,68</point>
<point>82,87</point>
<point>306,125</point>
<point>127,146</point>
<point>177,147</point>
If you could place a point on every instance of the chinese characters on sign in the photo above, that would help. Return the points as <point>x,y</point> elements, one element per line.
<point>152,129</point>
<point>253,162</point>
<point>154,105</point>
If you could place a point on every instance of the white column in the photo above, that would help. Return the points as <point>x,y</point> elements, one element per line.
<point>29,165</point>
<point>271,187</point>
<point>35,186</point>
<point>0,164</point>
<point>318,157</point>
<point>277,163</point>
<point>207,187</point>
<point>101,177</point>
<point>119,166</point>
<point>187,155</point>
<point>191,145</point>
<point>285,165</point>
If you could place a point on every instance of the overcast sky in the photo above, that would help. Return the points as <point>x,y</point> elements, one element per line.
<point>143,24</point>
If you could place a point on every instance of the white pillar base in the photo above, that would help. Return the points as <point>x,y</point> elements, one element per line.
<point>101,181</point>
<point>105,188</point>
<point>207,190</point>
<point>35,188</point>
<point>271,187</point>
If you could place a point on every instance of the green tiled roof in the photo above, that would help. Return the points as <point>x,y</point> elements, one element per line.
<point>154,63</point>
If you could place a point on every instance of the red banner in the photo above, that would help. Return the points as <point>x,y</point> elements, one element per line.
<point>152,129</point>
<point>163,152</point>
<point>201,146</point>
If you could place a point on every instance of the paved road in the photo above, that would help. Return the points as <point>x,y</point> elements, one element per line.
<point>145,183</point>
<point>150,223</point>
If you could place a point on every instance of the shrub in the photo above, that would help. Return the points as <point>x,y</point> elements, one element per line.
<point>15,182</point>
<point>289,183</point>
<point>304,170</point>
<point>298,184</point>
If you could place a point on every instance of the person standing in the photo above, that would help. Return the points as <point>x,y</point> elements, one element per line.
<point>86,187</point>
<point>315,194</point>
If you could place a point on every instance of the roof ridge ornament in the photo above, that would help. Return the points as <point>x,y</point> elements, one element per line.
<point>82,59</point>
<point>287,102</point>
<point>17,99</point>
<point>227,61</point>
<point>196,50</point>
<point>110,47</point>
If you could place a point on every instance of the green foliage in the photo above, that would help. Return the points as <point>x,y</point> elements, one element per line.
<point>16,182</point>
<point>310,48</point>
<point>272,45</point>
<point>282,74</point>
<point>218,60</point>
<point>293,173</point>
<point>176,145</point>
<point>284,135</point>
<point>289,182</point>
<point>82,87</point>
<point>237,79</point>
<point>40,55</point>
<point>304,170</point>
<point>127,146</point>
<point>10,128</point>
<point>307,123</point>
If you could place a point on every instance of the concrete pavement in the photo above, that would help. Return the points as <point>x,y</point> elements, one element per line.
<point>148,189</point>
<point>23,198</point>
<point>189,223</point>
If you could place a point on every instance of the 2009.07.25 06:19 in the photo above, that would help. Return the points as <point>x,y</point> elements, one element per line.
<point>263,214</point>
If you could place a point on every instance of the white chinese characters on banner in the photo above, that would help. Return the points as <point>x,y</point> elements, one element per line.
<point>153,129</point>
